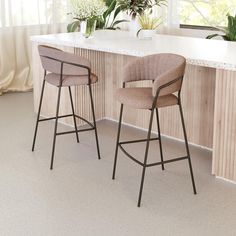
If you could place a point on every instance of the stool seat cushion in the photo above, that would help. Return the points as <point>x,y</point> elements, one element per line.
<point>141,98</point>
<point>70,80</point>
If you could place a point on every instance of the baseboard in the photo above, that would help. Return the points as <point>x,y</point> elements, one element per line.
<point>166,136</point>
<point>227,180</point>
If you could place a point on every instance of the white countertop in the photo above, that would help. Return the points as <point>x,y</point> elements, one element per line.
<point>202,52</point>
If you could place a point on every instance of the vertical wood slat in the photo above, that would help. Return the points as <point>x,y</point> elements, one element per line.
<point>224,151</point>
<point>83,106</point>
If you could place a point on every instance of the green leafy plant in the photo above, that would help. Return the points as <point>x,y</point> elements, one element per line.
<point>230,30</point>
<point>72,27</point>
<point>107,21</point>
<point>147,22</point>
<point>138,7</point>
<point>109,18</point>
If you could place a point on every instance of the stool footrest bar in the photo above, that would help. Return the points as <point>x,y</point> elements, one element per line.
<point>53,118</point>
<point>167,161</point>
<point>72,132</point>
<point>131,157</point>
<point>137,141</point>
<point>86,121</point>
<point>88,129</point>
<point>64,116</point>
<point>152,164</point>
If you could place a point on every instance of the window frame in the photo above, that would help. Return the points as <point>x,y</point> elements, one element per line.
<point>198,27</point>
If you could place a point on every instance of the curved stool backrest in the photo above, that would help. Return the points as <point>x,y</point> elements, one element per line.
<point>53,58</point>
<point>161,68</point>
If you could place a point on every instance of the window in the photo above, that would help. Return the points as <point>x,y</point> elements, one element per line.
<point>206,12</point>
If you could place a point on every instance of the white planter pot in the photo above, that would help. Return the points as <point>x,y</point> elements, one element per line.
<point>147,34</point>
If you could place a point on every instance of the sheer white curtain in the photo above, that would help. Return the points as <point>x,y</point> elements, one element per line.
<point>170,16</point>
<point>172,19</point>
<point>19,19</point>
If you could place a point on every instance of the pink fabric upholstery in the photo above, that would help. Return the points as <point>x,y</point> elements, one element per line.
<point>72,75</point>
<point>141,98</point>
<point>70,80</point>
<point>161,68</point>
<point>55,67</point>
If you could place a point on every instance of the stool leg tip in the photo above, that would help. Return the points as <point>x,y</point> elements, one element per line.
<point>113,177</point>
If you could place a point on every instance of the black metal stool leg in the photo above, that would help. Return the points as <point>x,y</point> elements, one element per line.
<point>117,141</point>
<point>187,147</point>
<point>145,157</point>
<point>39,111</point>
<point>94,121</point>
<point>159,136</point>
<point>55,129</point>
<point>73,112</point>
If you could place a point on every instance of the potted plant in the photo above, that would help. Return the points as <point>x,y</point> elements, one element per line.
<point>230,30</point>
<point>86,14</point>
<point>108,20</point>
<point>138,7</point>
<point>148,25</point>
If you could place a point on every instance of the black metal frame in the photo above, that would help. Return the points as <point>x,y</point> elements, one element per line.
<point>76,131</point>
<point>162,162</point>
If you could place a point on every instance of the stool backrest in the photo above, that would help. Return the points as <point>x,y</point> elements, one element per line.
<point>52,59</point>
<point>161,68</point>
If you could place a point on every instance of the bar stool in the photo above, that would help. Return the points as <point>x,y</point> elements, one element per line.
<point>167,72</point>
<point>62,69</point>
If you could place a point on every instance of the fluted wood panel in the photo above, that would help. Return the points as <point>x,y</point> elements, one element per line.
<point>82,99</point>
<point>198,95</point>
<point>224,149</point>
<point>197,98</point>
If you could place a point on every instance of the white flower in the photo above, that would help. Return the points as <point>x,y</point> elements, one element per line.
<point>84,9</point>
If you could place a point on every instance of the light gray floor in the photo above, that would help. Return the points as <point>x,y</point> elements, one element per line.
<point>79,198</point>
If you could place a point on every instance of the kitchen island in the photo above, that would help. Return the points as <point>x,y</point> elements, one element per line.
<point>208,96</point>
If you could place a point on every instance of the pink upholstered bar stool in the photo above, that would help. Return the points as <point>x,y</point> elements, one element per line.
<point>62,69</point>
<point>167,72</point>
